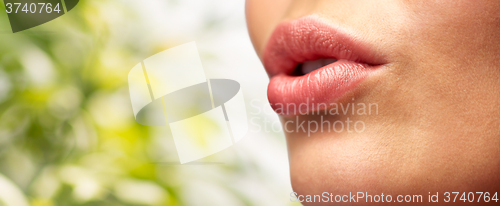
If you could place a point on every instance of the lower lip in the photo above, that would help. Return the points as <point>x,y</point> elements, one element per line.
<point>292,95</point>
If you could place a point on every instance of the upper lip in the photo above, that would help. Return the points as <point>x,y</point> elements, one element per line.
<point>317,39</point>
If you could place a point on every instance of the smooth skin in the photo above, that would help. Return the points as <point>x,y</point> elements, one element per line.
<point>438,123</point>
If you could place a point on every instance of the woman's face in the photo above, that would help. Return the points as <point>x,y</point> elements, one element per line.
<point>428,70</point>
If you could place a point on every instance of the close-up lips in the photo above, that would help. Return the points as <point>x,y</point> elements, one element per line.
<point>313,63</point>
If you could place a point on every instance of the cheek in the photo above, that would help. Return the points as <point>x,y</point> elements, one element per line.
<point>454,45</point>
<point>262,17</point>
<point>452,26</point>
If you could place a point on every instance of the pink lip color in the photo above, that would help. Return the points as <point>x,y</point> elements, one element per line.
<point>306,39</point>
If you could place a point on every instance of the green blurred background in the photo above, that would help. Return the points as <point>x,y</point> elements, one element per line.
<point>67,131</point>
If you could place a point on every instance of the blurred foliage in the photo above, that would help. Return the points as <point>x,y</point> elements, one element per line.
<point>67,133</point>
